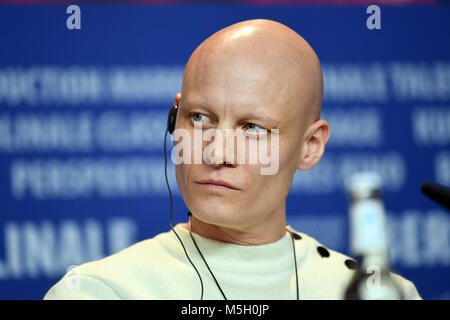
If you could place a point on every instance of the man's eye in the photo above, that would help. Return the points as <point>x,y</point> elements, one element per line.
<point>253,128</point>
<point>198,117</point>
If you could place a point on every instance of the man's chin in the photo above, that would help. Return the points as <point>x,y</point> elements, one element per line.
<point>224,216</point>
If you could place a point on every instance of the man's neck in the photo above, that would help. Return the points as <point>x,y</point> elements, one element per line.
<point>271,230</point>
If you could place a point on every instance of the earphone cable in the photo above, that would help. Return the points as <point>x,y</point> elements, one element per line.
<point>295,263</point>
<point>201,255</point>
<point>171,211</point>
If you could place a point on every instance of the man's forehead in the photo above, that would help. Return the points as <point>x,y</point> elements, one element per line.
<point>281,76</point>
<point>244,87</point>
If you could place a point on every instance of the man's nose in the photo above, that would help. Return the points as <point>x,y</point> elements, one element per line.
<point>222,151</point>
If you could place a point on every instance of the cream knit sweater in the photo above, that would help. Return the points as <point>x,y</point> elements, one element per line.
<point>157,268</point>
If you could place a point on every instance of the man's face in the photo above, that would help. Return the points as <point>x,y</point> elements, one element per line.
<point>240,97</point>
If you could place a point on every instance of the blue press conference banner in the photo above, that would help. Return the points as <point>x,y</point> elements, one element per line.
<point>83,114</point>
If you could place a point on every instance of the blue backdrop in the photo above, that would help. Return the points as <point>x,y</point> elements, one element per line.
<point>83,113</point>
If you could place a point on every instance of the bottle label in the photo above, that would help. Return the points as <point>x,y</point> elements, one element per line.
<point>368,227</point>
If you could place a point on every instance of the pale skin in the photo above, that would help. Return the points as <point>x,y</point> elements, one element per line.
<point>253,74</point>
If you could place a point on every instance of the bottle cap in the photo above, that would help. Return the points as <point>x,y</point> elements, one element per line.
<point>364,184</point>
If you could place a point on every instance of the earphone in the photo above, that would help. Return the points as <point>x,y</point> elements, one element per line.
<point>172,118</point>
<point>171,121</point>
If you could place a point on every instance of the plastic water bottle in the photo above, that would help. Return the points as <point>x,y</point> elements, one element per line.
<point>369,241</point>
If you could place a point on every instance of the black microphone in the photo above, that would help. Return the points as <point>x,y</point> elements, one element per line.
<point>437,193</point>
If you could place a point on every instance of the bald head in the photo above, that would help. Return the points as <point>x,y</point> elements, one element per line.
<point>254,76</point>
<point>263,57</point>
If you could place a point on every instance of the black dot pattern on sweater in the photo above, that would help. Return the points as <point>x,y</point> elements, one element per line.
<point>324,253</point>
<point>351,264</point>
<point>297,236</point>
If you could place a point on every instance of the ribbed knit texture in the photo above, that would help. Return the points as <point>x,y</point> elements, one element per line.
<point>157,268</point>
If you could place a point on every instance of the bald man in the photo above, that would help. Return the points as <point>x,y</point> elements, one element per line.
<point>256,77</point>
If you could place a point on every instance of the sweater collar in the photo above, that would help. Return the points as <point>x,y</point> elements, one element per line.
<point>230,257</point>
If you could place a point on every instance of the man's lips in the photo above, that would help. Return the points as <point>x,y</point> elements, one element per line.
<point>217,184</point>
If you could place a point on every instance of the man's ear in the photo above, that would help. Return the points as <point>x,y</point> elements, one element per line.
<point>177,99</point>
<point>314,145</point>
